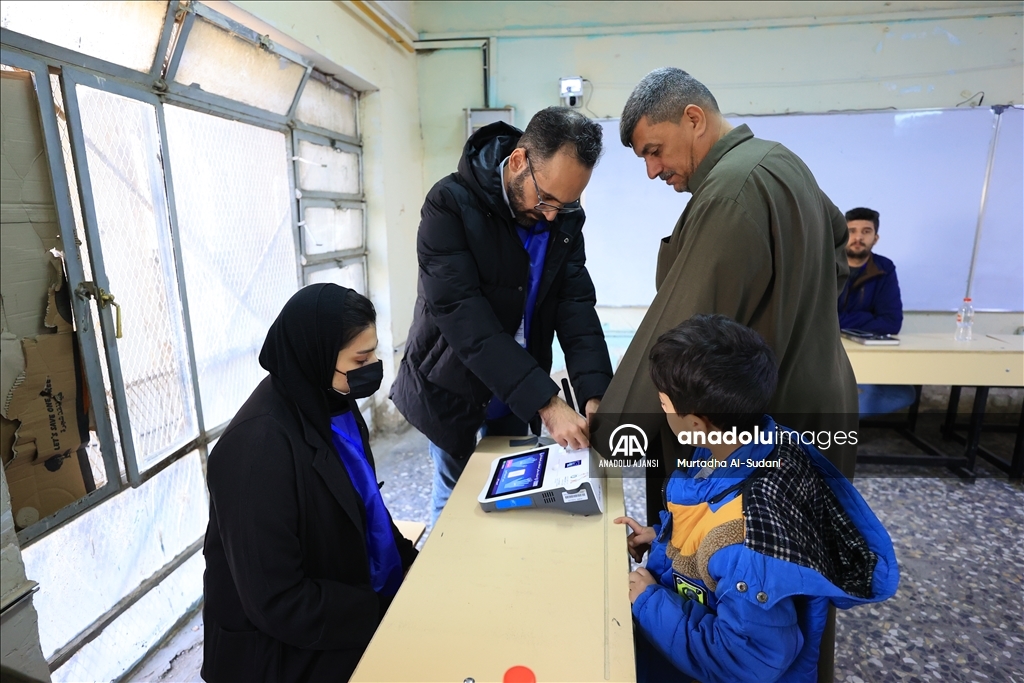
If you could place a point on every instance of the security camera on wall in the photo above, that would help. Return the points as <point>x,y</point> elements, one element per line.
<point>571,90</point>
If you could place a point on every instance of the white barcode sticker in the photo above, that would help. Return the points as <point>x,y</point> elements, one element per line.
<point>574,497</point>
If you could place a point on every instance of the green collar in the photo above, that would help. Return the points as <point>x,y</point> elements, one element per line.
<point>731,139</point>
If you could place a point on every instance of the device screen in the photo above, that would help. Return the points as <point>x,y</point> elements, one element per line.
<point>518,473</point>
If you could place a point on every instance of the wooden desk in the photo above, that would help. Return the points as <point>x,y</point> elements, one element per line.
<point>986,361</point>
<point>992,361</point>
<point>538,588</point>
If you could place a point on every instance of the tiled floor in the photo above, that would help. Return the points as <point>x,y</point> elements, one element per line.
<point>958,614</point>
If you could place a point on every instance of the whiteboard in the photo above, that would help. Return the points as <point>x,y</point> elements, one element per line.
<point>922,170</point>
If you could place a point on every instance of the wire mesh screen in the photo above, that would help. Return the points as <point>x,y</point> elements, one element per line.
<point>238,248</point>
<point>131,636</point>
<point>96,559</point>
<point>126,171</point>
<point>93,447</point>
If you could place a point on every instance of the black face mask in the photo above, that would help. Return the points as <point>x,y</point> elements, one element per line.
<point>364,381</point>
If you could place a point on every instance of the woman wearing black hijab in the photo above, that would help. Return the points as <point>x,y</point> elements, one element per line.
<point>302,558</point>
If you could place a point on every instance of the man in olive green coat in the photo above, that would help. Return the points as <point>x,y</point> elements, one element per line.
<point>758,242</point>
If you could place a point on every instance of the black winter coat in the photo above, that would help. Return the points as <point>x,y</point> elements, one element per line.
<point>473,272</point>
<point>287,581</point>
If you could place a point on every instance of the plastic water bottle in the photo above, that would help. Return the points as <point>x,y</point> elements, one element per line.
<point>964,321</point>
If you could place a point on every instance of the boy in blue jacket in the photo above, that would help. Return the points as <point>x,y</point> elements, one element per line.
<point>760,532</point>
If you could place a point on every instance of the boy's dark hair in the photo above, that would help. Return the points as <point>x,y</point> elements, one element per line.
<point>717,369</point>
<point>863,214</point>
<point>553,128</point>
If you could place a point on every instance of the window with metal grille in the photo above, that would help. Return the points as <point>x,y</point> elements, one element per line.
<point>328,175</point>
<point>200,174</point>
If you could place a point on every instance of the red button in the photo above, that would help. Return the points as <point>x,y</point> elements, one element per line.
<point>519,674</point>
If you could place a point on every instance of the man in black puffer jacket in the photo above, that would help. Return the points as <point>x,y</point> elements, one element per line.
<point>501,269</point>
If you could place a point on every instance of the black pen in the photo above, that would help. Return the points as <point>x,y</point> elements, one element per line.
<point>567,390</point>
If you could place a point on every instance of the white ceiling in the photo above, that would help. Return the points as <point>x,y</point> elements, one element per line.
<point>487,16</point>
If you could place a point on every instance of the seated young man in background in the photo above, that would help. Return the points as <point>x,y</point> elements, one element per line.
<point>870,302</point>
<point>758,539</point>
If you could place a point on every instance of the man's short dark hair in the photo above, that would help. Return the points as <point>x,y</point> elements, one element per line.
<point>663,95</point>
<point>863,214</point>
<point>552,129</point>
<point>715,368</point>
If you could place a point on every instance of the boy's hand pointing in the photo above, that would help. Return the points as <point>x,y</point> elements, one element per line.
<point>639,542</point>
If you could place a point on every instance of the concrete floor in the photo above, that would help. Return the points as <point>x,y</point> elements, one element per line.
<point>958,614</point>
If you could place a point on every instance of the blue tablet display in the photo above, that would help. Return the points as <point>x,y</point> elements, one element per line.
<point>518,473</point>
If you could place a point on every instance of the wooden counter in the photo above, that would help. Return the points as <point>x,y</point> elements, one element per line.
<point>993,361</point>
<point>539,588</point>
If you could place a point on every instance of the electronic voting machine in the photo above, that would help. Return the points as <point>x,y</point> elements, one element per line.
<point>545,477</point>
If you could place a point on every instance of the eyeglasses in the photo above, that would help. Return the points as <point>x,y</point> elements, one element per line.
<point>542,205</point>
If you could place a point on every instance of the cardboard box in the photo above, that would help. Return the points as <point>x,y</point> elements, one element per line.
<point>39,382</point>
<point>40,489</point>
<point>45,474</point>
<point>30,235</point>
<point>44,399</point>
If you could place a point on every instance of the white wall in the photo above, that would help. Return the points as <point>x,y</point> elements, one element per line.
<point>757,58</point>
<point>564,17</point>
<point>903,65</point>
<point>458,73</point>
<point>392,148</point>
<point>809,63</point>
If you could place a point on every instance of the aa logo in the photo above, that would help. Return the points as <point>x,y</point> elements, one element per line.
<point>628,441</point>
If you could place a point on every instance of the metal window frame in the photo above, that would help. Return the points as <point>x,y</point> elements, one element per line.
<point>165,39</point>
<point>243,31</point>
<point>158,88</point>
<point>70,79</point>
<point>312,263</point>
<point>25,42</point>
<point>91,71</point>
<point>334,142</point>
<point>322,133</point>
<point>340,262</point>
<point>304,203</point>
<point>196,9</point>
<point>93,630</point>
<point>334,84</point>
<point>80,307</point>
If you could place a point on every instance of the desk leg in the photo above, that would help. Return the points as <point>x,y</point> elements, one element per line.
<point>949,425</point>
<point>974,432</point>
<point>914,408</point>
<point>1017,462</point>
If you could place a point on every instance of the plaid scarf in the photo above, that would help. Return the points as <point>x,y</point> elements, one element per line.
<point>792,515</point>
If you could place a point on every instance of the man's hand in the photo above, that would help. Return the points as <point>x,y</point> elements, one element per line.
<point>639,580</point>
<point>639,542</point>
<point>565,425</point>
<point>592,406</point>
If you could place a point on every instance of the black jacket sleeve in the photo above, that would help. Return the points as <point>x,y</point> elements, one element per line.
<point>579,329</point>
<point>406,549</point>
<point>451,289</point>
<point>255,492</point>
